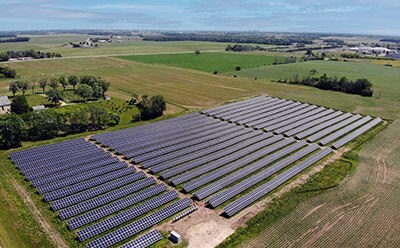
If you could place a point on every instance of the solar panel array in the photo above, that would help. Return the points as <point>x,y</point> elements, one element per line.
<point>96,193</point>
<point>293,119</point>
<point>213,155</point>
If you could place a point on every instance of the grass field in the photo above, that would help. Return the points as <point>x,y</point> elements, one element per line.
<point>54,43</point>
<point>384,78</point>
<point>208,62</point>
<point>362,208</point>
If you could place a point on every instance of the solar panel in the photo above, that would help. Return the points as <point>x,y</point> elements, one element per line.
<point>73,181</point>
<point>283,116</point>
<point>217,163</point>
<point>93,192</point>
<point>123,217</point>
<point>321,126</point>
<point>114,196</point>
<point>303,121</point>
<point>90,183</point>
<point>242,173</point>
<point>240,187</point>
<point>335,127</point>
<point>195,153</point>
<point>264,189</point>
<point>261,123</point>
<point>356,133</point>
<point>212,157</point>
<point>140,225</point>
<point>145,240</point>
<point>344,130</point>
<point>312,123</point>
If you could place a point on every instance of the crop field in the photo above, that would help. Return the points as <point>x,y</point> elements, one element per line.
<point>208,62</point>
<point>361,210</point>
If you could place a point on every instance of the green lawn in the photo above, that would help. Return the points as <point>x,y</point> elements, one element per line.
<point>208,62</point>
<point>385,79</point>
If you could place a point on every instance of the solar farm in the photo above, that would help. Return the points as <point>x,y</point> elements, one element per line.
<point>112,189</point>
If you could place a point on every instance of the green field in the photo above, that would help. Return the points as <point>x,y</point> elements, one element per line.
<point>365,204</point>
<point>384,79</point>
<point>208,62</point>
<point>55,43</point>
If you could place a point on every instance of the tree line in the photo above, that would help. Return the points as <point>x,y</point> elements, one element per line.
<point>362,87</point>
<point>87,87</point>
<point>15,39</point>
<point>7,72</point>
<point>51,123</point>
<point>11,54</point>
<point>233,38</point>
<point>243,48</point>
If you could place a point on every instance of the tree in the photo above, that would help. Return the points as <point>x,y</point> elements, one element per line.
<point>151,108</point>
<point>197,52</point>
<point>63,82</point>
<point>8,72</point>
<point>54,83</point>
<point>23,86</point>
<point>54,96</point>
<point>43,83</point>
<point>43,124</point>
<point>33,86</point>
<point>238,68</point>
<point>98,117</point>
<point>13,87</point>
<point>313,71</point>
<point>20,105</point>
<point>12,131</point>
<point>73,80</point>
<point>85,91</point>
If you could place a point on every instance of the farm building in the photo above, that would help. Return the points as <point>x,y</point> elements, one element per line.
<point>5,105</point>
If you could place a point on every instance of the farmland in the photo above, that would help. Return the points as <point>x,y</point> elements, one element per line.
<point>208,62</point>
<point>348,213</point>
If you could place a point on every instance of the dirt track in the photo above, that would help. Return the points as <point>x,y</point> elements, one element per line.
<point>363,212</point>
<point>53,235</point>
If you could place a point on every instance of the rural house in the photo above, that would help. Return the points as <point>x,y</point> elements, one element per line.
<point>5,105</point>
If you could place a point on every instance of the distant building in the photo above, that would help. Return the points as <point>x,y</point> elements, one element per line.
<point>107,97</point>
<point>38,108</point>
<point>5,105</point>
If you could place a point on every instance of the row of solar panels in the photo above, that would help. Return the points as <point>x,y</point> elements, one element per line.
<point>98,195</point>
<point>295,119</point>
<point>206,155</point>
<point>225,159</point>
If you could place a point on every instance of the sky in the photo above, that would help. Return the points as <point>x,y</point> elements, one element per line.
<point>380,17</point>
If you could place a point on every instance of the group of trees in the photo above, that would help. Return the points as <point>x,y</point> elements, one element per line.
<point>27,53</point>
<point>149,107</point>
<point>242,48</point>
<point>88,87</point>
<point>50,123</point>
<point>233,38</point>
<point>350,55</point>
<point>15,39</point>
<point>287,60</point>
<point>361,87</point>
<point>7,72</point>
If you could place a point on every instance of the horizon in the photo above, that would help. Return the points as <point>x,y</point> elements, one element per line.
<point>287,16</point>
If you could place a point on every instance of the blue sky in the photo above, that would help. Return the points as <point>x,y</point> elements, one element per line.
<point>339,16</point>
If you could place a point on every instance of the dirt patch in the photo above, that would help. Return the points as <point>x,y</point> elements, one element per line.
<point>53,235</point>
<point>204,228</point>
